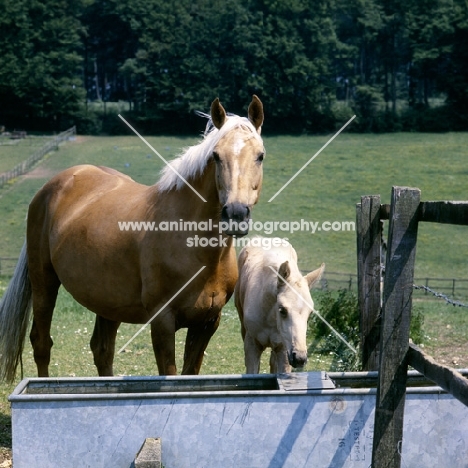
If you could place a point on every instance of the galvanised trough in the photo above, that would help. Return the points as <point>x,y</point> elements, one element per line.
<point>295,420</point>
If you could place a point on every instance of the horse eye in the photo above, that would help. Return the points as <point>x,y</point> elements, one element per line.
<point>260,157</point>
<point>283,312</point>
<point>216,156</point>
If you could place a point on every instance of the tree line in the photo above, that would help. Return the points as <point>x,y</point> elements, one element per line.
<point>398,65</point>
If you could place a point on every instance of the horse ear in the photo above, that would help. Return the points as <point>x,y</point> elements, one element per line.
<point>315,275</point>
<point>256,113</point>
<point>283,273</point>
<point>218,114</point>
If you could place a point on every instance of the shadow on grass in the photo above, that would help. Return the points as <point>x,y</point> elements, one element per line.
<point>5,431</point>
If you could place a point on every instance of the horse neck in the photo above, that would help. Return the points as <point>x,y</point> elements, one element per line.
<point>205,185</point>
<point>184,203</point>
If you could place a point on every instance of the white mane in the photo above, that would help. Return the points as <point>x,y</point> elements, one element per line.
<point>193,160</point>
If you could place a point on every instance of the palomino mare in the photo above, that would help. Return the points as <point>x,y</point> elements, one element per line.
<point>73,239</point>
<point>273,313</point>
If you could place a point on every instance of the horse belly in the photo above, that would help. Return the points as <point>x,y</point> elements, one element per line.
<point>121,305</point>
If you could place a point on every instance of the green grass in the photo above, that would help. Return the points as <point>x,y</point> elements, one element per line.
<point>327,190</point>
<point>445,332</point>
<point>356,165</point>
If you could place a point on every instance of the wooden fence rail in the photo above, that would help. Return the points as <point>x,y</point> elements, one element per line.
<point>450,380</point>
<point>25,166</point>
<point>386,311</point>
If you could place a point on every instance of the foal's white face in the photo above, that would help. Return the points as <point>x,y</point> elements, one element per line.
<point>239,167</point>
<point>294,309</point>
<point>294,306</point>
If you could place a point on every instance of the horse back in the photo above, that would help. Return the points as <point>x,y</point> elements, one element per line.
<point>80,189</point>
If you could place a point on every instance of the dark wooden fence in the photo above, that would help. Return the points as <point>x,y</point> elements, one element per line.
<point>26,165</point>
<point>386,309</point>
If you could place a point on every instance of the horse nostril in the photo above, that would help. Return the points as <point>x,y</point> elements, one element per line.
<point>235,219</point>
<point>236,212</point>
<point>297,359</point>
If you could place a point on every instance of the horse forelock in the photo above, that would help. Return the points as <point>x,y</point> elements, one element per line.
<point>193,160</point>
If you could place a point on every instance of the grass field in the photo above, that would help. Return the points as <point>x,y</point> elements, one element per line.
<point>327,190</point>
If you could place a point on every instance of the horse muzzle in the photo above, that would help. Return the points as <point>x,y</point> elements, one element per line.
<point>297,358</point>
<point>235,219</point>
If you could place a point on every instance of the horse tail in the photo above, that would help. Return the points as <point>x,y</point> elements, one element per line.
<point>15,311</point>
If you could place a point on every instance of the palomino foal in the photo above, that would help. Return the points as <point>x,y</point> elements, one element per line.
<point>274,304</point>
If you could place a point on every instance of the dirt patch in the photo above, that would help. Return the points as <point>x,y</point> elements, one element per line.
<point>79,139</point>
<point>450,356</point>
<point>39,173</point>
<point>5,458</point>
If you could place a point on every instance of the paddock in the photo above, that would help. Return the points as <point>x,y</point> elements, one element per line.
<point>387,418</point>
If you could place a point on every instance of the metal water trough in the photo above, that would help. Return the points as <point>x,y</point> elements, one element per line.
<point>297,420</point>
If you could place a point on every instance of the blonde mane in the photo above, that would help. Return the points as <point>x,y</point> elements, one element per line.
<point>193,160</point>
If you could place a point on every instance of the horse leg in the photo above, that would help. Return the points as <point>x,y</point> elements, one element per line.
<point>163,339</point>
<point>273,362</point>
<point>282,361</point>
<point>253,352</point>
<point>44,297</point>
<point>197,340</point>
<point>103,345</point>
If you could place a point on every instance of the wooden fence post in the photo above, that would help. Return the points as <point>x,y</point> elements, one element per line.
<point>394,333</point>
<point>369,271</point>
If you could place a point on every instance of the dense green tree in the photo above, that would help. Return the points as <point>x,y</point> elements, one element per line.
<point>430,33</point>
<point>40,62</point>
<point>108,42</point>
<point>299,82</point>
<point>196,50</point>
<point>359,24</point>
<point>300,56</point>
<point>360,74</point>
<point>453,78</point>
<point>191,52</point>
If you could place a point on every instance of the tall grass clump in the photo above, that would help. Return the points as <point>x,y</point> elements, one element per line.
<point>340,309</point>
